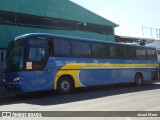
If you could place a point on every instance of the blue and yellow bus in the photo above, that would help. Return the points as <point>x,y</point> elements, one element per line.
<point>41,61</point>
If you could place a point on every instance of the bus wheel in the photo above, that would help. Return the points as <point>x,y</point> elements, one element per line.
<point>138,79</point>
<point>64,86</point>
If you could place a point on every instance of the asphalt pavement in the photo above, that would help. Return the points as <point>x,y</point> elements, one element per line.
<point>106,98</point>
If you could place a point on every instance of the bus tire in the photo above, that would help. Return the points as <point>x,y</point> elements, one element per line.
<point>65,85</point>
<point>138,79</point>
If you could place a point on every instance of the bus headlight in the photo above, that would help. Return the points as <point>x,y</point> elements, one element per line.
<point>17,78</point>
<point>4,80</point>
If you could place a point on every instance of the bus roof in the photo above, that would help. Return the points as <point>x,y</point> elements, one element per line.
<point>70,37</point>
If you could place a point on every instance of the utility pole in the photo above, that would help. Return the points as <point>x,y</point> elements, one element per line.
<point>154,31</point>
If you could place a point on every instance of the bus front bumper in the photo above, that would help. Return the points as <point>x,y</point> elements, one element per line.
<point>13,86</point>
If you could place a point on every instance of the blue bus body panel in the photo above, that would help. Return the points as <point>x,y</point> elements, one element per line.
<point>39,80</point>
<point>44,80</point>
<point>31,81</point>
<point>97,77</point>
<point>111,76</point>
<point>92,77</point>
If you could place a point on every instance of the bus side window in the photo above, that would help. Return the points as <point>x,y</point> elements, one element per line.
<point>141,53</point>
<point>151,54</point>
<point>129,52</point>
<point>86,49</point>
<point>99,50</point>
<point>77,50</point>
<point>37,54</point>
<point>62,47</point>
<point>113,51</point>
<point>120,52</point>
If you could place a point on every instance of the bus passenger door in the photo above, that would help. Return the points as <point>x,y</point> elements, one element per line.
<point>36,60</point>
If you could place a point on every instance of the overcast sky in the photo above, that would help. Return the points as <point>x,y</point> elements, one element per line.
<point>129,14</point>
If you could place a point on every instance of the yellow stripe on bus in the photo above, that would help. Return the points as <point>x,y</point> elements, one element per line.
<point>73,69</point>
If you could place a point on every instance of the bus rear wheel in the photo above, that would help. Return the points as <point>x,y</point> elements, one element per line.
<point>64,86</point>
<point>138,79</point>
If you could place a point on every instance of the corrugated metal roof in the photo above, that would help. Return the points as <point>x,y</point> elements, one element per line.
<point>64,9</point>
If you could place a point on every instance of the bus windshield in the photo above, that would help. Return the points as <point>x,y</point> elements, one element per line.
<point>14,59</point>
